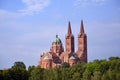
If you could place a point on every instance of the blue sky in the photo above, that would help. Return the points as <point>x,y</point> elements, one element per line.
<point>28,27</point>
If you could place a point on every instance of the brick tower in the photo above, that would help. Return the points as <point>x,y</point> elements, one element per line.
<point>69,40</point>
<point>82,44</point>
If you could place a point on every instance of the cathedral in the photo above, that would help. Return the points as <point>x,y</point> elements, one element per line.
<point>57,55</point>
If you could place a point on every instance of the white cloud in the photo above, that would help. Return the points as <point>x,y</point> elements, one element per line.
<point>34,6</point>
<point>6,14</point>
<point>84,3</point>
<point>31,7</point>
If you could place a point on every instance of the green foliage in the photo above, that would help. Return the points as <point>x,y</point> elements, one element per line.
<point>6,75</point>
<point>65,65</point>
<point>114,58</point>
<point>87,75</point>
<point>15,73</point>
<point>1,75</point>
<point>30,69</point>
<point>36,74</point>
<point>19,64</point>
<point>96,70</point>
<point>96,76</point>
<point>105,76</point>
<point>77,70</point>
<point>18,73</point>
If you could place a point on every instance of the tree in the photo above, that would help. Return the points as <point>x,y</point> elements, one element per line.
<point>56,72</point>
<point>96,70</point>
<point>19,64</point>
<point>49,74</point>
<point>76,76</point>
<point>6,74</point>
<point>87,75</point>
<point>96,76</point>
<point>114,58</point>
<point>65,65</point>
<point>1,74</point>
<point>118,76</point>
<point>112,74</point>
<point>37,74</point>
<point>30,69</point>
<point>65,74</point>
<point>77,70</point>
<point>104,66</point>
<point>18,73</point>
<point>105,77</point>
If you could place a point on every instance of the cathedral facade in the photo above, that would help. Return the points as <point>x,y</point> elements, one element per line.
<point>57,55</point>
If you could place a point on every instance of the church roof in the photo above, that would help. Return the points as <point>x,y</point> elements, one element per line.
<point>46,58</point>
<point>57,40</point>
<point>72,57</point>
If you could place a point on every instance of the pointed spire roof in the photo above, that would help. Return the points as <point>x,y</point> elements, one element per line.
<point>82,27</point>
<point>69,29</point>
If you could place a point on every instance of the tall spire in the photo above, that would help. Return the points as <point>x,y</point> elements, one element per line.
<point>69,29</point>
<point>69,40</point>
<point>82,27</point>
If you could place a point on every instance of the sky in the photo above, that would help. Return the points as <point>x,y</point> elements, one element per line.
<point>28,27</point>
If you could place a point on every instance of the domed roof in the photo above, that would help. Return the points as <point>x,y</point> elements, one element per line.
<point>46,58</point>
<point>72,57</point>
<point>57,40</point>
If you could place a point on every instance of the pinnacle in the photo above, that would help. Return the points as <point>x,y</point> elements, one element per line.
<point>82,27</point>
<point>69,29</point>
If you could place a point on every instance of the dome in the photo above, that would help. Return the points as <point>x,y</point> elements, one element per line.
<point>72,57</point>
<point>57,40</point>
<point>46,58</point>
